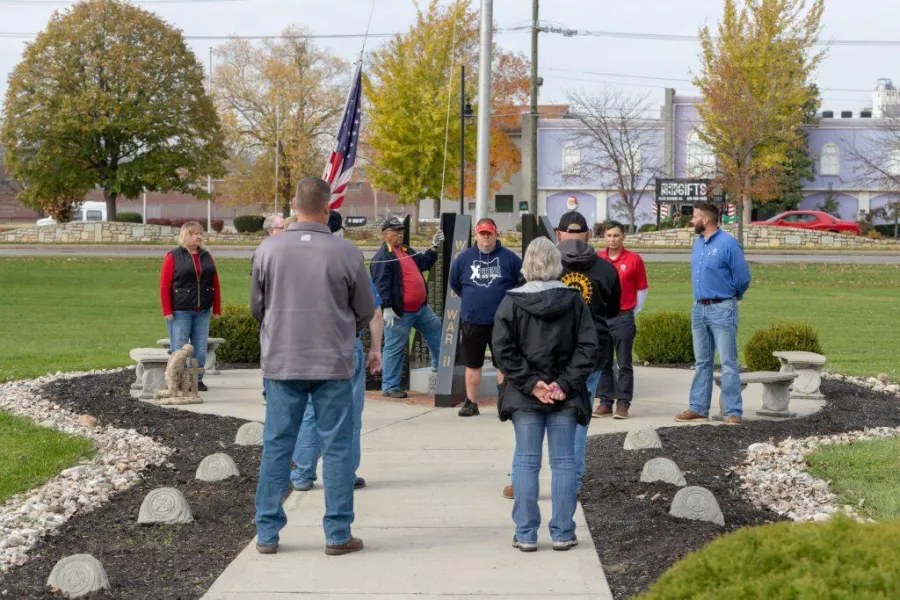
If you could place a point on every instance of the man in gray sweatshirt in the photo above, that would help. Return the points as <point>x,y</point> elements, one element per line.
<point>310,292</point>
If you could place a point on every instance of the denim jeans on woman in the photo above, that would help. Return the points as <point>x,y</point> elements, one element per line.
<point>285,405</point>
<point>396,338</point>
<point>530,426</point>
<point>714,328</point>
<point>190,327</point>
<point>581,432</point>
<point>306,452</point>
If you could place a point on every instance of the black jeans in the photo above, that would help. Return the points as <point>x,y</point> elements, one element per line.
<point>619,384</point>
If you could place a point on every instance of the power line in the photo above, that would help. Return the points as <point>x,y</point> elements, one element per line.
<point>66,3</point>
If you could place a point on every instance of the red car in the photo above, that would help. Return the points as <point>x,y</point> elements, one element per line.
<point>811,219</point>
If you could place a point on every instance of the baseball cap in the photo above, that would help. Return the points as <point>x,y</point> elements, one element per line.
<point>392,223</point>
<point>335,223</point>
<point>486,226</point>
<point>573,222</point>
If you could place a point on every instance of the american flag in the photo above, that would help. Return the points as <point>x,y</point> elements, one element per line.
<point>339,169</point>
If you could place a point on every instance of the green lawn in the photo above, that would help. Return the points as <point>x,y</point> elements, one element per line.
<point>29,455</point>
<point>65,314</point>
<point>863,471</point>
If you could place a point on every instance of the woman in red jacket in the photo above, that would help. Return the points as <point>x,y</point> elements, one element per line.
<point>188,290</point>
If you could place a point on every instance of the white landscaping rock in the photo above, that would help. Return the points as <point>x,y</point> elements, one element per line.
<point>776,478</point>
<point>120,457</point>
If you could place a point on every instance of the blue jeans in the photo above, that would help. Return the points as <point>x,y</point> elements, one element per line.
<point>286,402</point>
<point>396,338</point>
<point>581,432</point>
<point>530,426</point>
<point>714,328</point>
<point>190,327</point>
<point>306,451</point>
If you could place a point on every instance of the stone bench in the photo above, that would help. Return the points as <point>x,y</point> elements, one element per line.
<point>211,346</point>
<point>776,393</point>
<point>150,370</point>
<point>808,367</point>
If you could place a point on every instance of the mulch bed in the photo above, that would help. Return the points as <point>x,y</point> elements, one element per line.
<point>636,538</point>
<point>155,561</point>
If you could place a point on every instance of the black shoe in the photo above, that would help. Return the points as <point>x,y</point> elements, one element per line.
<point>359,483</point>
<point>394,394</point>
<point>201,387</point>
<point>469,409</point>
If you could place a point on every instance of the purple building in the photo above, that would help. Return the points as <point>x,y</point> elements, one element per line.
<point>566,179</point>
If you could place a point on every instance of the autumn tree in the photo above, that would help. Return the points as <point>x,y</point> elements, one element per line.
<point>109,96</point>
<point>755,76</point>
<point>285,93</point>
<point>616,142</point>
<point>413,148</point>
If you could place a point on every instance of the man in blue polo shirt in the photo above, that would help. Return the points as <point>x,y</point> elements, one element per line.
<point>719,278</point>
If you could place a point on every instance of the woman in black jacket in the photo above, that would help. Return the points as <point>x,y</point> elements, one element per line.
<point>545,345</point>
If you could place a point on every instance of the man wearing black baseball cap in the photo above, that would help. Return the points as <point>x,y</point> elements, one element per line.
<point>397,273</point>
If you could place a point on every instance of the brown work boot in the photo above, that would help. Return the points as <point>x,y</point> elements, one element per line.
<point>690,416</point>
<point>351,545</point>
<point>733,420</point>
<point>508,492</point>
<point>266,548</point>
<point>621,411</point>
<point>604,410</point>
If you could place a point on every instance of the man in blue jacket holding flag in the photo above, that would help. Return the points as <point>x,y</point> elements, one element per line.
<point>481,276</point>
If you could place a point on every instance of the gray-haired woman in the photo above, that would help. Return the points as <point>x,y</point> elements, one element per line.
<point>545,346</point>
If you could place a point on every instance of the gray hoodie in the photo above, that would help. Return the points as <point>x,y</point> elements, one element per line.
<point>310,292</point>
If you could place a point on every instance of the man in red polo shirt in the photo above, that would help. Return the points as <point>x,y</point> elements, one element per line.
<point>619,387</point>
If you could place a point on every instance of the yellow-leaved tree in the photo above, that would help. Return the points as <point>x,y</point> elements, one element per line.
<point>755,78</point>
<point>407,88</point>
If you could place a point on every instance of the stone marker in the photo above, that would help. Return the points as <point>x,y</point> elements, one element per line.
<point>662,469</point>
<point>78,575</point>
<point>250,434</point>
<point>697,503</point>
<point>642,439</point>
<point>217,467</point>
<point>165,505</point>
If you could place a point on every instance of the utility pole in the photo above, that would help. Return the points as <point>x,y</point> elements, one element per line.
<point>277,143</point>
<point>462,140</point>
<point>533,113</point>
<point>208,177</point>
<point>483,164</point>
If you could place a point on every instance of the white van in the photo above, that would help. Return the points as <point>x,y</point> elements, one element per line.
<point>88,211</point>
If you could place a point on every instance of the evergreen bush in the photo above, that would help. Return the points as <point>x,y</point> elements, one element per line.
<point>241,333</point>
<point>249,223</point>
<point>783,337</point>
<point>664,338</point>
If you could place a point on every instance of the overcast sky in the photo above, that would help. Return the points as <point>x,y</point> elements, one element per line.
<point>847,75</point>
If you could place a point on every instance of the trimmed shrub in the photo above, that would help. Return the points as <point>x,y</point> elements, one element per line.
<point>218,224</point>
<point>129,217</point>
<point>647,228</point>
<point>837,559</point>
<point>664,338</point>
<point>249,223</point>
<point>779,337</point>
<point>886,230</point>
<point>241,333</point>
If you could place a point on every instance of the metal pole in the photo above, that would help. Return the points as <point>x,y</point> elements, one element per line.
<point>144,213</point>
<point>209,177</point>
<point>483,164</point>
<point>375,196</point>
<point>533,113</point>
<point>462,140</point>
<point>277,140</point>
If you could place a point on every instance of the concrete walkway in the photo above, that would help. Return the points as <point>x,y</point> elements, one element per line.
<point>432,517</point>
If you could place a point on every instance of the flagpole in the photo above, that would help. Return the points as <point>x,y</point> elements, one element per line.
<point>483,166</point>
